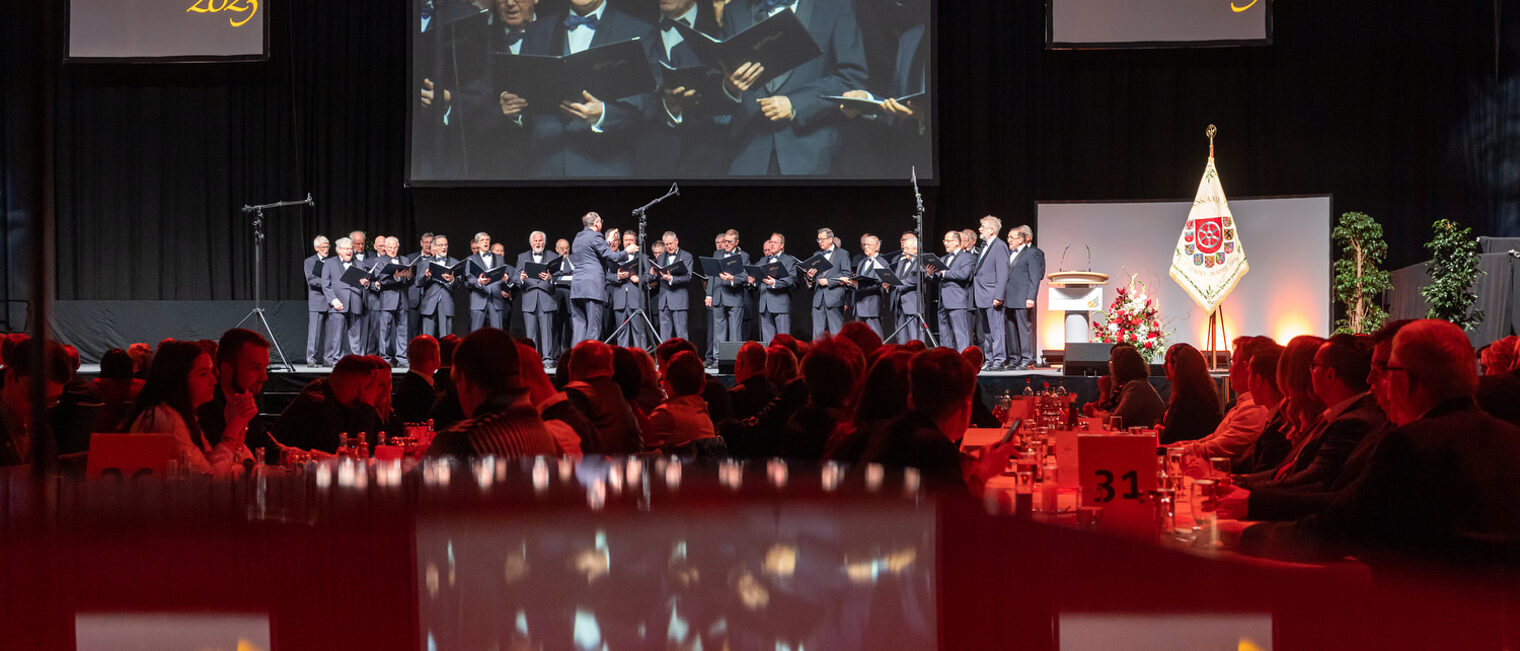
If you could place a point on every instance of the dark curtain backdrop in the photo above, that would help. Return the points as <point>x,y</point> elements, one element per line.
<point>1402,109</point>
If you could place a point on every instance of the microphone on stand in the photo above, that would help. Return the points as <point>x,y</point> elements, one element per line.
<point>1062,264</point>
<point>309,201</point>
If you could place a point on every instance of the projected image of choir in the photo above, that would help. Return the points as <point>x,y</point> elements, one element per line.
<point>530,89</point>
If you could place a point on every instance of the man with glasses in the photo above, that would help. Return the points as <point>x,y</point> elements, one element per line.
<point>954,297</point>
<point>828,287</point>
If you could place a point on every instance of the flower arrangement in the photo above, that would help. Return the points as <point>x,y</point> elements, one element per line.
<point>1133,319</point>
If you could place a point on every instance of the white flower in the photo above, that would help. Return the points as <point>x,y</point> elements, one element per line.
<point>1113,327</point>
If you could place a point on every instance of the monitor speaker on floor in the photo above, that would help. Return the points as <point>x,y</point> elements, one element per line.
<point>1086,359</point>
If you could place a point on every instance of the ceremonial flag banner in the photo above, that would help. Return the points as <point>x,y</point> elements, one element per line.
<point>1209,259</point>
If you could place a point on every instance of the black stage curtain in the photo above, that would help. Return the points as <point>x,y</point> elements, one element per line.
<point>1401,109</point>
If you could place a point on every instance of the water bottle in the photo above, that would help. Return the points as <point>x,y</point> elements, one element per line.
<point>363,449</point>
<point>343,449</point>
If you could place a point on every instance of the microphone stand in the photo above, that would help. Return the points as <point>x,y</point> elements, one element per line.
<point>918,267</point>
<point>257,219</point>
<point>642,312</point>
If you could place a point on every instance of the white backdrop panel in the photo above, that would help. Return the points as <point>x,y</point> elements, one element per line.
<point>1287,241</point>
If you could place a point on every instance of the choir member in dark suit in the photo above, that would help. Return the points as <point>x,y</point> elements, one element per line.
<point>988,285</point>
<point>828,290</point>
<point>437,307</point>
<point>538,304</point>
<point>905,297</point>
<point>585,136</point>
<point>954,295</point>
<point>496,130</point>
<point>389,299</point>
<point>345,304</point>
<point>868,293</point>
<point>686,135</point>
<point>627,295</point>
<point>729,294</point>
<point>1026,271</point>
<point>672,302</point>
<point>316,302</point>
<point>488,300</point>
<point>588,287</point>
<point>783,126</point>
<point>775,304</point>
<point>410,324</point>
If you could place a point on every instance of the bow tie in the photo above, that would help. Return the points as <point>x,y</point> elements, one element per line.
<point>667,24</point>
<point>768,6</point>
<point>427,11</point>
<point>573,21</point>
<point>513,37</point>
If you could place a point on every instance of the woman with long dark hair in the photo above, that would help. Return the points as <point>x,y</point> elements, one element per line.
<point>1139,404</point>
<point>183,378</point>
<point>1193,411</point>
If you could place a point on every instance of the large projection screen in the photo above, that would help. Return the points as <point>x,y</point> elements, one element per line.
<point>167,30</point>
<point>1287,242</point>
<point>502,93</point>
<point>1099,24</point>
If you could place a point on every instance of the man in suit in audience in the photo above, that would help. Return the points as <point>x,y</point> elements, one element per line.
<point>988,290</point>
<point>438,292</point>
<point>585,136</point>
<point>1026,270</point>
<point>775,303</point>
<point>905,297</point>
<point>954,293</point>
<point>1439,488</point>
<point>538,304</point>
<point>828,288</point>
<point>416,394</point>
<point>388,291</point>
<point>868,292</point>
<point>488,299</point>
<point>345,304</point>
<point>784,126</point>
<point>729,294</point>
<point>588,286</point>
<point>411,323</point>
<point>316,302</point>
<point>627,295</point>
<point>672,301</point>
<point>242,367</point>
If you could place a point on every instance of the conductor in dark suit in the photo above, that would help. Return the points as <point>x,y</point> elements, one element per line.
<point>954,293</point>
<point>585,136</point>
<point>438,292</point>
<point>316,301</point>
<point>1025,272</point>
<point>673,301</point>
<point>345,304</point>
<point>988,290</point>
<point>590,254</point>
<point>775,304</point>
<point>905,296</point>
<point>488,300</point>
<point>538,304</point>
<point>828,290</point>
<point>1439,488</point>
<point>784,126</point>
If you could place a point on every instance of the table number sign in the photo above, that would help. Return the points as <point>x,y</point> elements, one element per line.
<point>1117,472</point>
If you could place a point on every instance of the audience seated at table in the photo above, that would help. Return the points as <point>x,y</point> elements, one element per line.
<point>1243,423</point>
<point>21,372</point>
<point>592,391</point>
<point>446,411</point>
<point>1499,386</point>
<point>117,389</point>
<point>242,367</point>
<point>981,414</point>
<point>1270,446</point>
<point>184,378</point>
<point>752,391</point>
<point>502,421</point>
<point>831,370</point>
<point>1193,409</point>
<point>417,392</point>
<point>681,421</point>
<point>1138,404</point>
<point>884,399</point>
<point>1440,487</point>
<point>328,408</point>
<point>565,422</point>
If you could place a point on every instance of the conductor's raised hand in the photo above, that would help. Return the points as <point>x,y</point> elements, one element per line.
<point>589,111</point>
<point>512,105</point>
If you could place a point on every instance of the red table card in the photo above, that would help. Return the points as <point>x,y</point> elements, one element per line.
<point>1116,473</point>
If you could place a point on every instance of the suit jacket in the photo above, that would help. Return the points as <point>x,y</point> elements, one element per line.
<point>807,143</point>
<point>906,294</point>
<point>590,254</point>
<point>314,420</point>
<point>750,396</point>
<point>625,294</point>
<point>1024,277</point>
<point>414,398</point>
<point>495,145</point>
<point>730,293</point>
<point>388,290</point>
<point>1499,395</point>
<point>372,293</point>
<point>674,294</point>
<point>602,401</point>
<point>697,146</point>
<point>1291,504</point>
<point>333,287</point>
<point>1324,455</point>
<point>990,277</point>
<point>777,298</point>
<point>489,294</point>
<point>832,295</point>
<point>537,294</point>
<point>566,146</point>
<point>868,294</point>
<point>413,293</point>
<point>1139,404</point>
<point>956,280</point>
<point>1438,489</point>
<point>437,295</point>
<point>316,301</point>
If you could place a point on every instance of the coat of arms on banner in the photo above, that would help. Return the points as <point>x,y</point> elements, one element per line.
<point>1209,259</point>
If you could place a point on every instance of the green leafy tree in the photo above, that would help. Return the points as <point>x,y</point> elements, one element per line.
<point>1360,279</point>
<point>1453,269</point>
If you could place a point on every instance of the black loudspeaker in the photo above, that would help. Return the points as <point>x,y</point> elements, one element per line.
<point>1086,359</point>
<point>728,351</point>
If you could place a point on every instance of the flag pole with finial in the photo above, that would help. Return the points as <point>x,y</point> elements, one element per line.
<point>1217,317</point>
